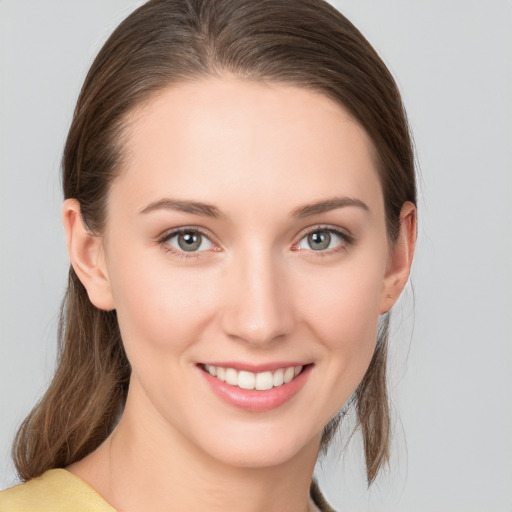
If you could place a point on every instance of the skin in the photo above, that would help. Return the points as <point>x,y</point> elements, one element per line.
<point>255,292</point>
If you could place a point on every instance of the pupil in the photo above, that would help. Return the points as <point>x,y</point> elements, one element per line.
<point>189,241</point>
<point>319,240</point>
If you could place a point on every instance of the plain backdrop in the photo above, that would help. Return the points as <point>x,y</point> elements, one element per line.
<point>451,355</point>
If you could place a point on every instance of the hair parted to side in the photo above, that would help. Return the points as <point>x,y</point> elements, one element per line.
<point>307,43</point>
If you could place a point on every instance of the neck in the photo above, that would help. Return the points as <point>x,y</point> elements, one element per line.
<point>153,467</point>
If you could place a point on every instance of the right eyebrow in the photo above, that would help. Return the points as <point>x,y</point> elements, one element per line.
<point>194,207</point>
<point>328,205</point>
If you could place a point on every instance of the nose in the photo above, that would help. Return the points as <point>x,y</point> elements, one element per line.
<point>258,302</point>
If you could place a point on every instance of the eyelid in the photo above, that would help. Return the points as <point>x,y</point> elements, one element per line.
<point>342,233</point>
<point>171,233</point>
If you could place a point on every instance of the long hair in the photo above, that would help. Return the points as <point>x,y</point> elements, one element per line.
<point>306,43</point>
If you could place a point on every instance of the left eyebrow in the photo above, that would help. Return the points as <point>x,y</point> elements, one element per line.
<point>328,205</point>
<point>193,207</point>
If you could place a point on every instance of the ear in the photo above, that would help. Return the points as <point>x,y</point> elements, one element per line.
<point>400,259</point>
<point>87,256</point>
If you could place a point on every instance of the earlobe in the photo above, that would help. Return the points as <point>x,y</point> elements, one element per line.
<point>87,256</point>
<point>400,260</point>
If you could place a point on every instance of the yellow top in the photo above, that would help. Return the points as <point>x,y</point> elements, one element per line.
<point>57,490</point>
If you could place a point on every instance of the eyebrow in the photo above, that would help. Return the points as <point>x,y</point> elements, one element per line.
<point>328,205</point>
<point>208,210</point>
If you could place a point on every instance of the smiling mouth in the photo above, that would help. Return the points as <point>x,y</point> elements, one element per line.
<point>260,381</point>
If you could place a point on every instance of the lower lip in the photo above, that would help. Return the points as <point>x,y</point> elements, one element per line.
<point>253,400</point>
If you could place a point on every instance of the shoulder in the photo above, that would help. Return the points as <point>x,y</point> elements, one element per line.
<point>57,490</point>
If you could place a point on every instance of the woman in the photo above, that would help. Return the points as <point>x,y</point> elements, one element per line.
<point>240,215</point>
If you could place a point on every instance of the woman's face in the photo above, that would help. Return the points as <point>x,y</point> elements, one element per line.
<point>245,235</point>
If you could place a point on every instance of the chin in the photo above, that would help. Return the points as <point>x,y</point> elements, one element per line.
<point>261,448</point>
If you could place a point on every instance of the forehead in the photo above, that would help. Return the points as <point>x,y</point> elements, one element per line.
<point>258,144</point>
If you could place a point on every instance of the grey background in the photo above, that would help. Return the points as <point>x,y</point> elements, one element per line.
<point>451,384</point>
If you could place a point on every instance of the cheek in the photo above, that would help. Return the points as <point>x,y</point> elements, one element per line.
<point>342,308</point>
<point>348,295</point>
<point>160,307</point>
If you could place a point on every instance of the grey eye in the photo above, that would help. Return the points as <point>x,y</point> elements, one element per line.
<point>322,239</point>
<point>189,241</point>
<point>319,240</point>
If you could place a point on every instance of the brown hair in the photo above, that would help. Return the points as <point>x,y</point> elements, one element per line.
<point>307,43</point>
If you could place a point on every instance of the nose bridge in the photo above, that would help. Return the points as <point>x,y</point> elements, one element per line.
<point>259,308</point>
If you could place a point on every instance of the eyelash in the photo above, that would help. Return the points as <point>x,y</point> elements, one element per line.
<point>346,240</point>
<point>163,241</point>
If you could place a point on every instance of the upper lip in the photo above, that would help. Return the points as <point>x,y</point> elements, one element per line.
<point>256,368</point>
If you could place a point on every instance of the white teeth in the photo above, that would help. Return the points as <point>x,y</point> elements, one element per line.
<point>249,380</point>
<point>232,376</point>
<point>246,380</point>
<point>211,370</point>
<point>264,381</point>
<point>289,373</point>
<point>279,377</point>
<point>221,373</point>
